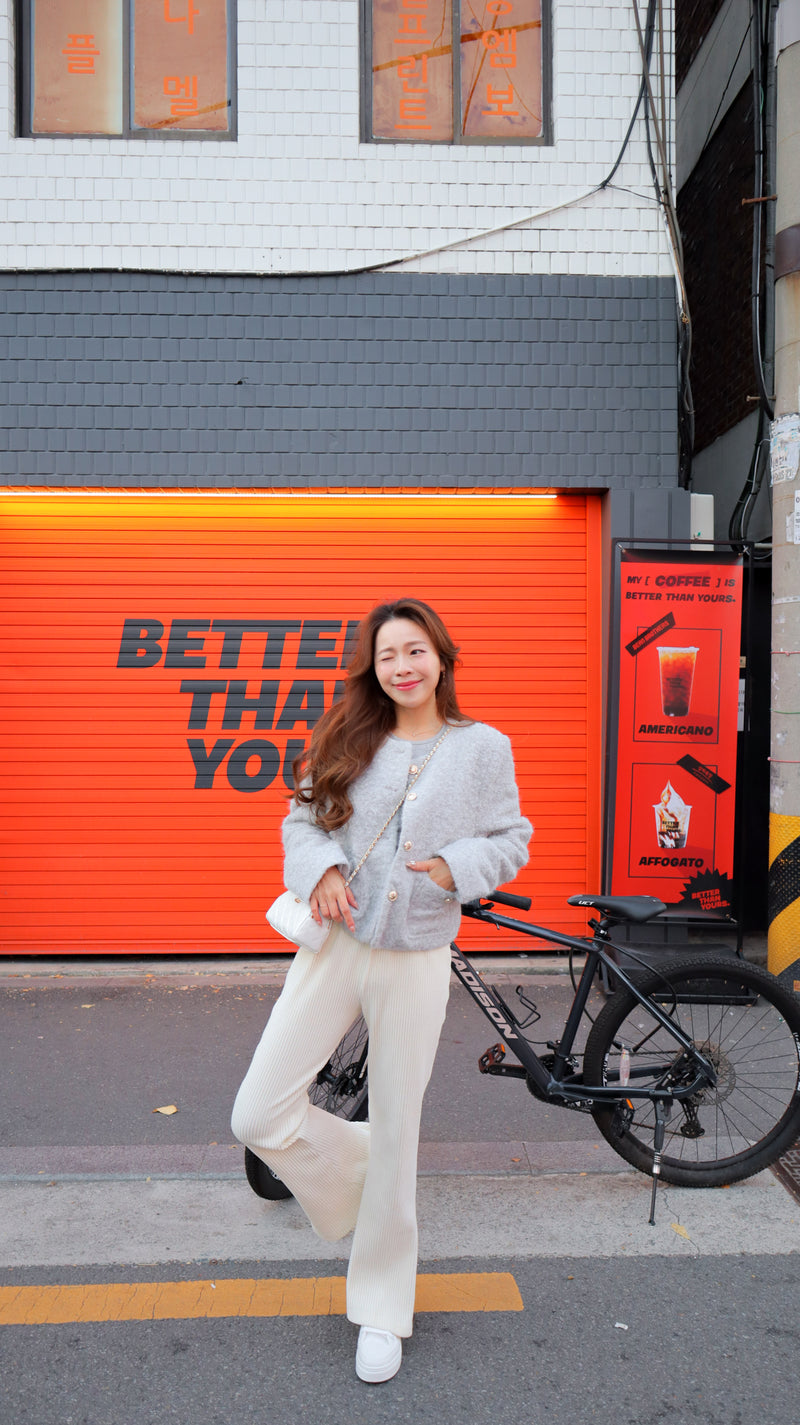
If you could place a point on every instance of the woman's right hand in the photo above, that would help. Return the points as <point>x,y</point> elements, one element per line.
<point>332,899</point>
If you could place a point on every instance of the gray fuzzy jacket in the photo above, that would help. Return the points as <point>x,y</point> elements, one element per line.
<point>465,809</point>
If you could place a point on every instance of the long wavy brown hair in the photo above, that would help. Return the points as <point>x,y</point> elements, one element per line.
<point>346,738</point>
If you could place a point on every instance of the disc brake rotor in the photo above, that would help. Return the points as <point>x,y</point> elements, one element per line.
<point>726,1077</point>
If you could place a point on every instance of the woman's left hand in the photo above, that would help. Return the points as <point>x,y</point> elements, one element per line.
<point>437,869</point>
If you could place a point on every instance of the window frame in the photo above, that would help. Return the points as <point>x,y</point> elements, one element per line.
<point>23,48</point>
<point>458,140</point>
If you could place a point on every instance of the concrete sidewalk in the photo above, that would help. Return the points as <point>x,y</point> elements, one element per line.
<point>553,1215</point>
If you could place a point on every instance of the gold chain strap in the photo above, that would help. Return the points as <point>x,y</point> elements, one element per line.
<point>391,818</point>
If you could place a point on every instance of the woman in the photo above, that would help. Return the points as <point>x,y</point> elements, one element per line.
<point>457,835</point>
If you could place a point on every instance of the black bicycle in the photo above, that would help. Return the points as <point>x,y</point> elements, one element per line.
<point>691,1071</point>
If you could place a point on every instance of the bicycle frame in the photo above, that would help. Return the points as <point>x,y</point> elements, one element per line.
<point>560,1082</point>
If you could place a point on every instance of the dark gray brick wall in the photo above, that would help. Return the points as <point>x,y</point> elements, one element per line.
<point>155,380</point>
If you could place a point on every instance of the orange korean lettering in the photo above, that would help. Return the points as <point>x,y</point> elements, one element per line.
<point>414,74</point>
<point>187,19</point>
<point>183,93</point>
<point>81,54</point>
<point>502,46</point>
<point>413,112</point>
<point>412,30</point>
<point>499,7</point>
<point>499,99</point>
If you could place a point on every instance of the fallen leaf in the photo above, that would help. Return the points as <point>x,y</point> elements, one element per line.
<point>681,1231</point>
<point>87,1006</point>
<point>168,1109</point>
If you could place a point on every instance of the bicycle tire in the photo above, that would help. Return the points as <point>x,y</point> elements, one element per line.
<point>262,1180</point>
<point>747,1023</point>
<point>339,1088</point>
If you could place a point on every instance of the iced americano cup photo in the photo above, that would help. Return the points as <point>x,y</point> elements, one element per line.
<point>676,669</point>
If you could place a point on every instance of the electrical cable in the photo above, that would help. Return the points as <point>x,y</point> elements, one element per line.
<point>662,50</point>
<point>760,31</point>
<point>384,264</point>
<point>712,125</point>
<point>653,9</point>
<point>650,24</point>
<point>759,463</point>
<point>663,194</point>
<point>649,32</point>
<point>663,188</point>
<point>760,57</point>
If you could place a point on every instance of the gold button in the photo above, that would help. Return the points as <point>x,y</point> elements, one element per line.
<point>413,770</point>
<point>393,895</point>
<point>412,796</point>
<point>407,845</point>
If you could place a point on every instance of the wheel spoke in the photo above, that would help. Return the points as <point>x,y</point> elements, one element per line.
<point>341,1086</point>
<point>752,1045</point>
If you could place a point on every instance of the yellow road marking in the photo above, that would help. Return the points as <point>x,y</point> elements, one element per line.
<point>271,1296</point>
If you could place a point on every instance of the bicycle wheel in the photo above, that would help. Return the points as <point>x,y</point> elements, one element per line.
<point>262,1180</point>
<point>748,1026</point>
<point>339,1088</point>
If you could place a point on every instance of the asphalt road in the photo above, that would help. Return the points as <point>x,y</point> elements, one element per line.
<point>88,1064</point>
<point>707,1340</point>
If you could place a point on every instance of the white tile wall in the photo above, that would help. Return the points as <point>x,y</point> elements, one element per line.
<point>298,192</point>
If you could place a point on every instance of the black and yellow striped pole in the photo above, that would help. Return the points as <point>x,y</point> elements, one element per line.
<point>784,849</point>
<point>784,897</point>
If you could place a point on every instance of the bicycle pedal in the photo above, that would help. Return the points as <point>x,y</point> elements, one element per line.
<point>493,1056</point>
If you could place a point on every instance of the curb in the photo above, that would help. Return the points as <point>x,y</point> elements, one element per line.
<point>225,970</point>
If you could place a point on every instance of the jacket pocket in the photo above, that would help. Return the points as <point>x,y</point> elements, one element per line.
<point>429,908</point>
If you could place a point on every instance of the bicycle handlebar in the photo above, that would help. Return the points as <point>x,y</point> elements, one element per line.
<point>503,898</point>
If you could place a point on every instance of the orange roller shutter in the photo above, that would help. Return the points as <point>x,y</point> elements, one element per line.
<point>144,781</point>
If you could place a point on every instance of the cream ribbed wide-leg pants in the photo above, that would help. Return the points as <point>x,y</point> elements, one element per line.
<point>350,1176</point>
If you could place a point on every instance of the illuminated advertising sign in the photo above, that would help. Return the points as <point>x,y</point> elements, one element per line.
<point>674,794</point>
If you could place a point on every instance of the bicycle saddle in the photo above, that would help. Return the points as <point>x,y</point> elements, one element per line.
<point>637,908</point>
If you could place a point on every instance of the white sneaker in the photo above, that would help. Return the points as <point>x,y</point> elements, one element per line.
<point>379,1354</point>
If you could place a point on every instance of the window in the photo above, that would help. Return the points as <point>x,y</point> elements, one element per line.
<point>456,71</point>
<point>145,68</point>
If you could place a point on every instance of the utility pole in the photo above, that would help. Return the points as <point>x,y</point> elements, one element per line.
<point>784,831</point>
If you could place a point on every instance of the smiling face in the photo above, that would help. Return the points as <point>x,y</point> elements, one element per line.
<point>408,669</point>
